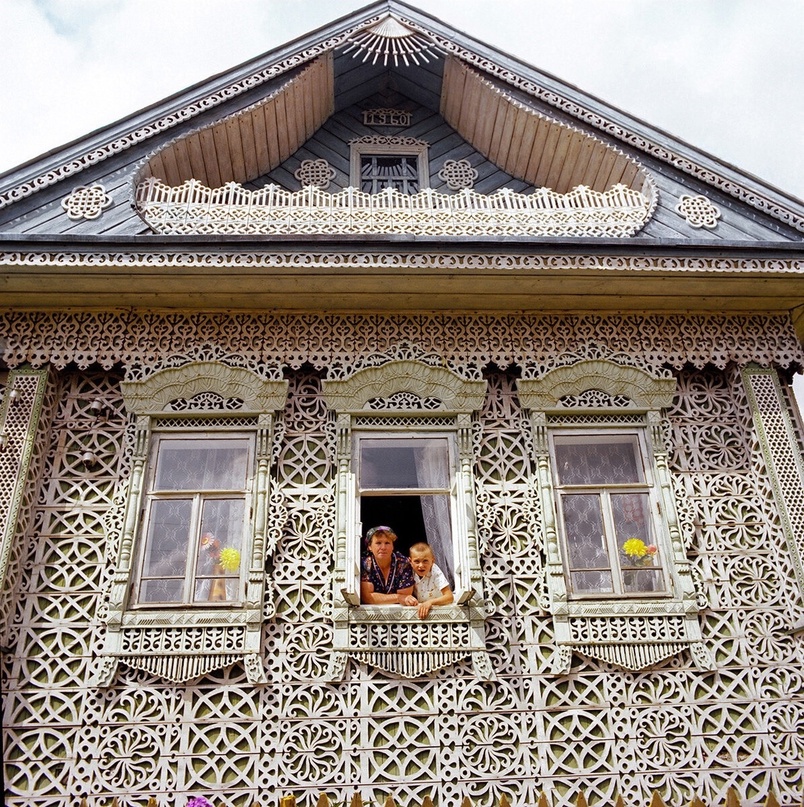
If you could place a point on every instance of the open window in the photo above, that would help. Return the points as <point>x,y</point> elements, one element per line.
<point>405,460</point>
<point>618,580</point>
<point>189,582</point>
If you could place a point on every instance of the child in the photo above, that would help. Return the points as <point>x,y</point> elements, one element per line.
<point>431,586</point>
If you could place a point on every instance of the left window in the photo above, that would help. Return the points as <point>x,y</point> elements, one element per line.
<point>188,592</point>
<point>195,530</point>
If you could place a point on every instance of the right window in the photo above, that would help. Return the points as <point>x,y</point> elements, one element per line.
<point>606,512</point>
<point>617,579</point>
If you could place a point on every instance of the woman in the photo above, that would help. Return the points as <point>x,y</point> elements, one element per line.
<point>386,577</point>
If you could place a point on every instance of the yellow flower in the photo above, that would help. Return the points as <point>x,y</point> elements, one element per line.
<point>229,559</point>
<point>635,548</point>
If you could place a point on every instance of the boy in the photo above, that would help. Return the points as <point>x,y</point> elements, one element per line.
<point>431,586</point>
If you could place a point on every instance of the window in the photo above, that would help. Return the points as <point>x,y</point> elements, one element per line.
<point>382,162</point>
<point>618,582</point>
<point>397,171</point>
<point>605,500</point>
<point>406,482</point>
<point>189,583</point>
<point>405,460</point>
<point>195,529</point>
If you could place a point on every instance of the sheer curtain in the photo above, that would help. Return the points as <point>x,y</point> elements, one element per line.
<point>432,471</point>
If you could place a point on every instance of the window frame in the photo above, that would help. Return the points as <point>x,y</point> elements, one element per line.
<point>382,146</point>
<point>645,487</point>
<point>398,398</point>
<point>199,497</point>
<point>180,641</point>
<point>637,631</point>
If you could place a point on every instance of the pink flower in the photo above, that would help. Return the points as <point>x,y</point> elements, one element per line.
<point>651,549</point>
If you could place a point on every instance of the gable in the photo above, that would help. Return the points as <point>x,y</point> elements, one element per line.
<point>508,113</point>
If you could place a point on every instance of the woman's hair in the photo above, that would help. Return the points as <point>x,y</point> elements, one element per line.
<point>374,530</point>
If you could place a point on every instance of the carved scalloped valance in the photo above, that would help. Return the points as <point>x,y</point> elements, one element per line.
<point>155,393</point>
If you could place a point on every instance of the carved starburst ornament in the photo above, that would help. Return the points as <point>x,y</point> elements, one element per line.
<point>390,39</point>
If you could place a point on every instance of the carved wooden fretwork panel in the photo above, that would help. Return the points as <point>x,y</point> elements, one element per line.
<point>21,448</point>
<point>193,208</point>
<point>527,732</point>
<point>776,436</point>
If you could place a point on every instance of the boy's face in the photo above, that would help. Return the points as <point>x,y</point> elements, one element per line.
<point>422,561</point>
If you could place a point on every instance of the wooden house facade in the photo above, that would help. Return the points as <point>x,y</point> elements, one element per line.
<point>388,275</point>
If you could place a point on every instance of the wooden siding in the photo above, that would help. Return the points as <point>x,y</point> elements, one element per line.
<point>530,147</point>
<point>255,140</point>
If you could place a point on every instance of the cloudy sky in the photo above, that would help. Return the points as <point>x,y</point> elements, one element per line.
<point>724,75</point>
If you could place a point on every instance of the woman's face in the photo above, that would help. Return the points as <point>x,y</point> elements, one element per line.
<point>381,546</point>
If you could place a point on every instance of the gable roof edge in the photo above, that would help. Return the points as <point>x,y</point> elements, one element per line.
<point>187,104</point>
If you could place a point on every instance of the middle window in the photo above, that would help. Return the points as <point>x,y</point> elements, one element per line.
<point>406,482</point>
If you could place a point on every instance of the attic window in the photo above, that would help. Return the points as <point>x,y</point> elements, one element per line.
<point>399,163</point>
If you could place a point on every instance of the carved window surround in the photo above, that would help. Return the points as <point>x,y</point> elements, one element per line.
<point>192,208</point>
<point>633,632</point>
<point>179,643</point>
<point>390,400</point>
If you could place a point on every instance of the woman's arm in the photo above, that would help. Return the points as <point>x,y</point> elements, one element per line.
<point>370,597</point>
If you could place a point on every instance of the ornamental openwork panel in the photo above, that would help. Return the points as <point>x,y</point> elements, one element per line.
<point>618,578</point>
<point>189,584</point>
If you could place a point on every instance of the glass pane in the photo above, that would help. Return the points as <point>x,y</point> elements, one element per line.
<point>598,461</point>
<point>168,534</point>
<point>591,582</point>
<point>209,464</point>
<point>639,555</point>
<point>586,545</point>
<point>404,463</point>
<point>219,558</point>
<point>152,591</point>
<point>165,559</point>
<point>643,580</point>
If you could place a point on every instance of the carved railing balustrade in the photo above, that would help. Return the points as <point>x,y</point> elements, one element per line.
<point>192,208</point>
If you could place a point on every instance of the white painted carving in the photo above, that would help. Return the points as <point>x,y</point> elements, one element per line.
<point>86,202</point>
<point>317,173</point>
<point>458,174</point>
<point>192,208</point>
<point>698,212</point>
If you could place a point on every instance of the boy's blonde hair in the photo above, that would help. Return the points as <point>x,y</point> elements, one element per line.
<point>422,546</point>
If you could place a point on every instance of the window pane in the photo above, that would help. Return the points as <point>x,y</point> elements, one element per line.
<point>211,464</point>
<point>168,533</point>
<point>219,558</point>
<point>641,564</point>
<point>166,547</point>
<point>404,463</point>
<point>586,544</point>
<point>598,461</point>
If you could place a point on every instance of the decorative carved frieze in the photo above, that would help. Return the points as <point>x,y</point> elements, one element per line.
<point>192,208</point>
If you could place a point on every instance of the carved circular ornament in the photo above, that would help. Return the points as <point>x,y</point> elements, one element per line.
<point>698,211</point>
<point>86,202</point>
<point>318,173</point>
<point>458,174</point>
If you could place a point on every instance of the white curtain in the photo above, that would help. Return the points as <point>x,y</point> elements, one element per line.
<point>432,471</point>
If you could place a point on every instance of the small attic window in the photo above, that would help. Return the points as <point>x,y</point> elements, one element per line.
<point>399,163</point>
